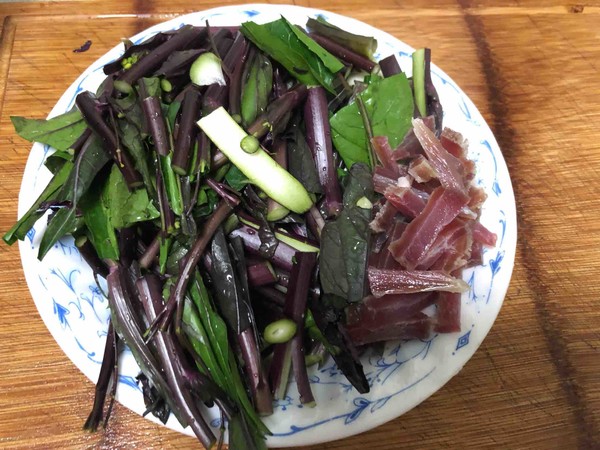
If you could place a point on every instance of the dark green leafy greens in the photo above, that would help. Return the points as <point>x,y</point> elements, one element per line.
<point>91,159</point>
<point>59,132</point>
<point>345,240</point>
<point>389,105</point>
<point>28,220</point>
<point>310,64</point>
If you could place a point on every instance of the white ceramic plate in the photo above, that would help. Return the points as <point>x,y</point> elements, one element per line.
<point>75,311</point>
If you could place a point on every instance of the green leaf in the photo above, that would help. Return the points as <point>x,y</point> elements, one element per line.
<point>152,85</point>
<point>96,215</point>
<point>59,132</point>
<point>330,61</point>
<point>131,139</point>
<point>126,207</point>
<point>389,105</point>
<point>345,241</point>
<point>300,161</point>
<point>89,162</point>
<point>56,160</point>
<point>236,179</point>
<point>25,223</point>
<point>62,223</point>
<point>280,41</point>
<point>211,342</point>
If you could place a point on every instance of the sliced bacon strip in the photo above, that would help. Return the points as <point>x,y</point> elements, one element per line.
<point>381,182</point>
<point>457,146</point>
<point>387,282</point>
<point>414,244</point>
<point>449,168</point>
<point>477,196</point>
<point>387,260</point>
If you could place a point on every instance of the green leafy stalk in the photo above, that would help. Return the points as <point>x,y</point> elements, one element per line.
<point>418,77</point>
<point>256,89</point>
<point>363,45</point>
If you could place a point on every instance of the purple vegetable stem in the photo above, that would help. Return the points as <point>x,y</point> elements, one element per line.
<point>318,138</point>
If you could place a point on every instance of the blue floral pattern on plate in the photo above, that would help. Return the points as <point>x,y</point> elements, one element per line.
<point>75,311</point>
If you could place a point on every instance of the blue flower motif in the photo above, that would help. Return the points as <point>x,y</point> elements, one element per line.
<point>216,423</point>
<point>62,313</point>
<point>463,340</point>
<point>496,262</point>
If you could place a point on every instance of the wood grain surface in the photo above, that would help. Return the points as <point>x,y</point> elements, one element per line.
<point>532,68</point>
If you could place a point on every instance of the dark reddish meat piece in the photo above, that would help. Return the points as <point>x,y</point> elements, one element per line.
<point>373,311</point>
<point>483,235</point>
<point>421,170</point>
<point>442,208</point>
<point>382,149</point>
<point>448,313</point>
<point>408,201</point>
<point>418,327</point>
<point>449,168</point>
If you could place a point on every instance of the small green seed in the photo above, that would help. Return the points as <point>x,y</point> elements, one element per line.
<point>280,331</point>
<point>80,241</point>
<point>166,85</point>
<point>250,144</point>
<point>311,360</point>
<point>123,87</point>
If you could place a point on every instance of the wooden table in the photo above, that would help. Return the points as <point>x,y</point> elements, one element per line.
<point>532,67</point>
